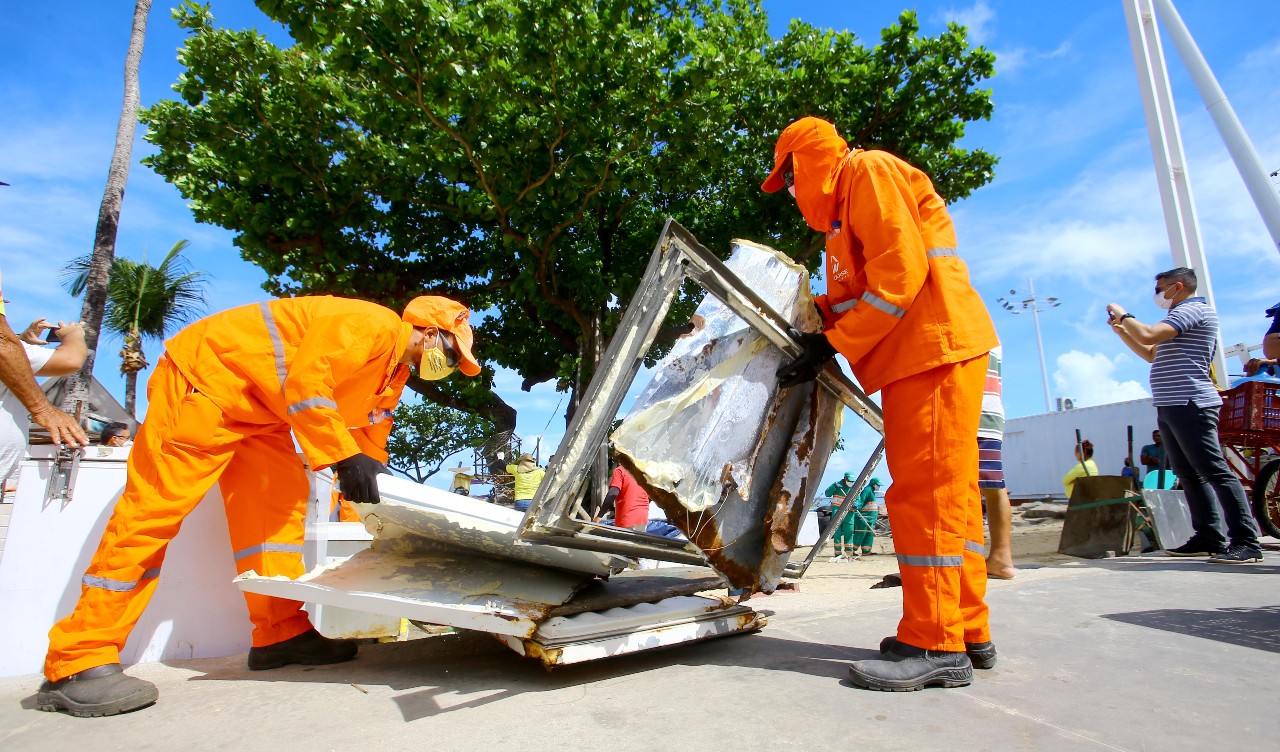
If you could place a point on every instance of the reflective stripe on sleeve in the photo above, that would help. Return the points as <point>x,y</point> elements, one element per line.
<point>875,301</point>
<point>940,252</point>
<point>277,344</point>
<point>930,561</point>
<point>974,547</point>
<point>116,586</point>
<point>265,548</point>
<point>881,304</point>
<point>311,402</point>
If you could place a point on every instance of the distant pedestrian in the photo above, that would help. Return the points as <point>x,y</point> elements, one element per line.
<point>528,476</point>
<point>1152,455</point>
<point>1270,346</point>
<point>839,492</point>
<point>865,513</point>
<point>1084,466</point>
<point>1180,350</point>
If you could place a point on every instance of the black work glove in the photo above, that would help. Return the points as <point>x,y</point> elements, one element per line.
<point>358,478</point>
<point>817,351</point>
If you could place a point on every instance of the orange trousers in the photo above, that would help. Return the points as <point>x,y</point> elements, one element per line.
<point>934,504</point>
<point>183,448</point>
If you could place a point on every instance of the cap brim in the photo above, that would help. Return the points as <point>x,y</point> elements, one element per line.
<point>468,365</point>
<point>774,182</point>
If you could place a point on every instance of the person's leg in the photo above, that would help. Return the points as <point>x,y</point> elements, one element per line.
<point>930,423</point>
<point>1179,429</point>
<point>1198,442</point>
<point>264,491</point>
<point>866,543</point>
<point>843,534</point>
<point>177,456</point>
<point>1000,521</point>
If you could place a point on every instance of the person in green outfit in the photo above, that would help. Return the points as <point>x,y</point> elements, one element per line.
<point>864,515</point>
<point>843,536</point>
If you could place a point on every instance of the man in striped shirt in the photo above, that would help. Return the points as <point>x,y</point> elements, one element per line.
<point>1180,349</point>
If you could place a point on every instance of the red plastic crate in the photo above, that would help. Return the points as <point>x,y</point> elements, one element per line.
<point>1252,406</point>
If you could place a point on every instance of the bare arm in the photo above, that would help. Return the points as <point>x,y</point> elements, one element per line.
<point>1271,346</point>
<point>70,355</point>
<point>1139,337</point>
<point>15,373</point>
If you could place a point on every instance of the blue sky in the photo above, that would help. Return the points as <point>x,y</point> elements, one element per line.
<point>1074,203</point>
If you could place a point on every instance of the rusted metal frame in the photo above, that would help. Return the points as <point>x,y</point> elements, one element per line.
<point>676,256</point>
<point>549,519</point>
<point>795,569</point>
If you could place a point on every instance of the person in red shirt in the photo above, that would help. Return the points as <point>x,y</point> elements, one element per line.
<point>626,500</point>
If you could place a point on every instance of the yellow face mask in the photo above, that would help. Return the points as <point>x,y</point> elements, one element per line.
<point>436,362</point>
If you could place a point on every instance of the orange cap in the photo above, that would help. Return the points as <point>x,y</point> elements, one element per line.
<point>431,310</point>
<point>807,131</point>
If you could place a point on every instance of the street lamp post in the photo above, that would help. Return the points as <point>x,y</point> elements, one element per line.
<point>1034,305</point>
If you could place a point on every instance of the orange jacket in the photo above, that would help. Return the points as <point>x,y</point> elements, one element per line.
<point>898,300</point>
<point>327,367</point>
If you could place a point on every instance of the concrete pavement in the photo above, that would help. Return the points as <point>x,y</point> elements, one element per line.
<point>1141,653</point>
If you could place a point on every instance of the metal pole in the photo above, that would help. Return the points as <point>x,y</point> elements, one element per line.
<point>1044,371</point>
<point>1172,176</point>
<point>1224,117</point>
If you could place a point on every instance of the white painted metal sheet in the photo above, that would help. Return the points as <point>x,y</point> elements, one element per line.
<point>619,631</point>
<point>460,521</point>
<point>456,589</point>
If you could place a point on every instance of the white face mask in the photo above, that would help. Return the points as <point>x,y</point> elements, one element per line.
<point>1161,301</point>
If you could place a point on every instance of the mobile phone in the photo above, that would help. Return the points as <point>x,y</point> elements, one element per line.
<point>52,335</point>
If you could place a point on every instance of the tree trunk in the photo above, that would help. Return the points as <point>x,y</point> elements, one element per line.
<point>131,394</point>
<point>104,241</point>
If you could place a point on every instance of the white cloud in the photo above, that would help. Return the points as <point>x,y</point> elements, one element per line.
<point>1090,379</point>
<point>980,19</point>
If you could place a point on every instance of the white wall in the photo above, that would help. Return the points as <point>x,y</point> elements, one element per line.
<point>1038,449</point>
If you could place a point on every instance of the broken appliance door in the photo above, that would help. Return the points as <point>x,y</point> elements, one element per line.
<point>444,559</point>
<point>733,460</point>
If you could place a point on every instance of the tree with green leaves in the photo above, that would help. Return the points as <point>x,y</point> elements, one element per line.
<point>521,155</point>
<point>144,302</point>
<point>424,435</point>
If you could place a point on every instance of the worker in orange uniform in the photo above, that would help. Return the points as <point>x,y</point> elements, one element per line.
<point>899,306</point>
<point>226,402</point>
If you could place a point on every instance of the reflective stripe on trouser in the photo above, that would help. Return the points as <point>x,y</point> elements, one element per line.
<point>179,453</point>
<point>935,505</point>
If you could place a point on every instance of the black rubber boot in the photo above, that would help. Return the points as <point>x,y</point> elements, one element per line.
<point>309,648</point>
<point>981,654</point>
<point>904,668</point>
<point>97,691</point>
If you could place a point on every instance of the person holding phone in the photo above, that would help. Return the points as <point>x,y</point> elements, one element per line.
<point>65,359</point>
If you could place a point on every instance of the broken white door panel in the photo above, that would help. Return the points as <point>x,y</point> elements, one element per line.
<point>457,589</point>
<point>733,459</point>
<point>594,635</point>
<point>452,520</point>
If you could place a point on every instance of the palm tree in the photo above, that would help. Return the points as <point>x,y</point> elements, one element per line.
<point>104,240</point>
<point>143,302</point>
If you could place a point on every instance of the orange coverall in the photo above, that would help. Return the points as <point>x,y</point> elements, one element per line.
<point>222,403</point>
<point>900,307</point>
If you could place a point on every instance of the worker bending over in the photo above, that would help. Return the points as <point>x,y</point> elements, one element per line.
<point>900,308</point>
<point>223,403</point>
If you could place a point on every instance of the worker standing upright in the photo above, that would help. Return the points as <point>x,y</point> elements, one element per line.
<point>226,402</point>
<point>899,306</point>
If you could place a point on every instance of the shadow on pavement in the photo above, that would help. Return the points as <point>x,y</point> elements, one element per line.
<point>441,674</point>
<point>1257,628</point>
